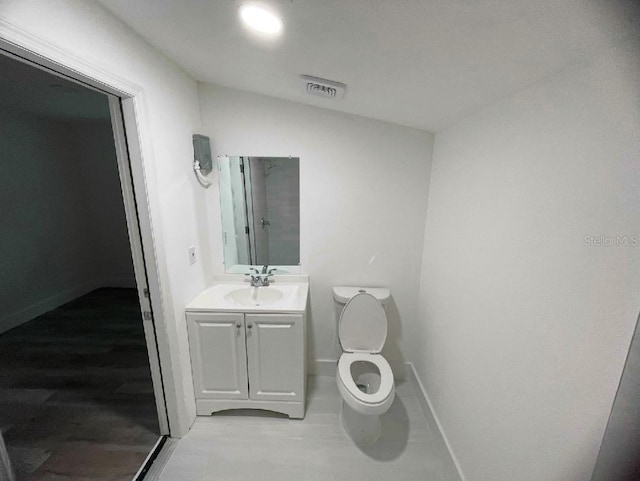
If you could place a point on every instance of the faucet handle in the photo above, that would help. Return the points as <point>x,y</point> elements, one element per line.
<point>255,271</point>
<point>266,277</point>
<point>255,279</point>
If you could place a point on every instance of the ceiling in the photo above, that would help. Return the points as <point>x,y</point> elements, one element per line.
<point>29,89</point>
<point>420,63</point>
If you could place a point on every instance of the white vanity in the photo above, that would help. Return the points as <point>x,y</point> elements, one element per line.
<point>248,345</point>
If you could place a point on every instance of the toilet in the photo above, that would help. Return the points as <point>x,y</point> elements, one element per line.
<point>364,377</point>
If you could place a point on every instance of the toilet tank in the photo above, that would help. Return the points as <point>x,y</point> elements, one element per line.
<point>341,295</point>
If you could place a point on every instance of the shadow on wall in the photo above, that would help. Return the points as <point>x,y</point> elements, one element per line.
<point>619,456</point>
<point>310,338</point>
<point>391,350</point>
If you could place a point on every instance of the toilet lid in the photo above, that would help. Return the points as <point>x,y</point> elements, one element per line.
<point>363,325</point>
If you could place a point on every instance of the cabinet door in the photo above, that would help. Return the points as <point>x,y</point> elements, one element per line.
<point>275,353</point>
<point>218,355</point>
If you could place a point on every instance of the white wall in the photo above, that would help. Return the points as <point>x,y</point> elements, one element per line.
<point>524,326</point>
<point>84,34</point>
<point>363,193</point>
<point>57,241</point>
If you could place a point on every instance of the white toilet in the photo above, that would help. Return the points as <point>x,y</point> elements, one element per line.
<point>364,377</point>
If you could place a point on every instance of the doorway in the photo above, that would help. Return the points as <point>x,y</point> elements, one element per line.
<point>80,376</point>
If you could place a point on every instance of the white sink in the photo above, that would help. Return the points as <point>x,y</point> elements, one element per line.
<point>280,296</point>
<point>255,296</point>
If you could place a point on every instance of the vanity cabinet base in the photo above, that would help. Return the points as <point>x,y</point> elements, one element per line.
<point>206,407</point>
<point>248,361</point>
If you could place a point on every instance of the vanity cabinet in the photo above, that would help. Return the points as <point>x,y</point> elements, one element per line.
<point>248,360</point>
<point>275,357</point>
<point>218,355</point>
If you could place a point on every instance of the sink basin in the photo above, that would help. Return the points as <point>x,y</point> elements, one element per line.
<point>254,296</point>
<point>281,296</point>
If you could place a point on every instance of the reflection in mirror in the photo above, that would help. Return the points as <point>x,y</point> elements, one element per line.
<point>260,208</point>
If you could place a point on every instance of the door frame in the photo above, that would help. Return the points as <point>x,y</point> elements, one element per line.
<point>124,160</point>
<point>247,200</point>
<point>145,207</point>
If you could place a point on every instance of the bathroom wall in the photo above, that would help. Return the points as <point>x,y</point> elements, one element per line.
<point>168,111</point>
<point>363,197</point>
<point>56,242</point>
<point>530,291</point>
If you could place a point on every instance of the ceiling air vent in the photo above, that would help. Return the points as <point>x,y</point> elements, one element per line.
<point>320,87</point>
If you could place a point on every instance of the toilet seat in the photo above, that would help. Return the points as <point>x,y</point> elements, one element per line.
<point>362,332</point>
<point>375,403</point>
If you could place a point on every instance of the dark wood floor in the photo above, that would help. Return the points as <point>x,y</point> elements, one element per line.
<point>76,399</point>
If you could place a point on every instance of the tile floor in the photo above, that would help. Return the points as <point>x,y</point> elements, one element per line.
<point>262,446</point>
<point>76,400</point>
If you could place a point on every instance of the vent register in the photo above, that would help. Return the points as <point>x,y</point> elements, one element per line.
<point>324,88</point>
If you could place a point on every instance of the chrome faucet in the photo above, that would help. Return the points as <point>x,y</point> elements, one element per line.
<point>256,279</point>
<point>260,279</point>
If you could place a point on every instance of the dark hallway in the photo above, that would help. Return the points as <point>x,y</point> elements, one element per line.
<point>76,398</point>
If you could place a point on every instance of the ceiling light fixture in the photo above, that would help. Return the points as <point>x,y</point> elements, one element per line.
<point>260,19</point>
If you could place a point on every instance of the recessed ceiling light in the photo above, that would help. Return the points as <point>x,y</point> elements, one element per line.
<point>260,19</point>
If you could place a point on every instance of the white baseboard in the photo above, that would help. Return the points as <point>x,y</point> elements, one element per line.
<point>323,367</point>
<point>26,314</point>
<point>454,473</point>
<point>399,369</point>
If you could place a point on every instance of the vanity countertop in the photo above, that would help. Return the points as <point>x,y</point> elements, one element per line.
<point>231,293</point>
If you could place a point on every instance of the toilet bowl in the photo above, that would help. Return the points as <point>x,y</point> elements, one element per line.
<point>364,377</point>
<point>370,390</point>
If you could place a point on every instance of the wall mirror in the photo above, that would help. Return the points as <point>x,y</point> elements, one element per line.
<point>260,209</point>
